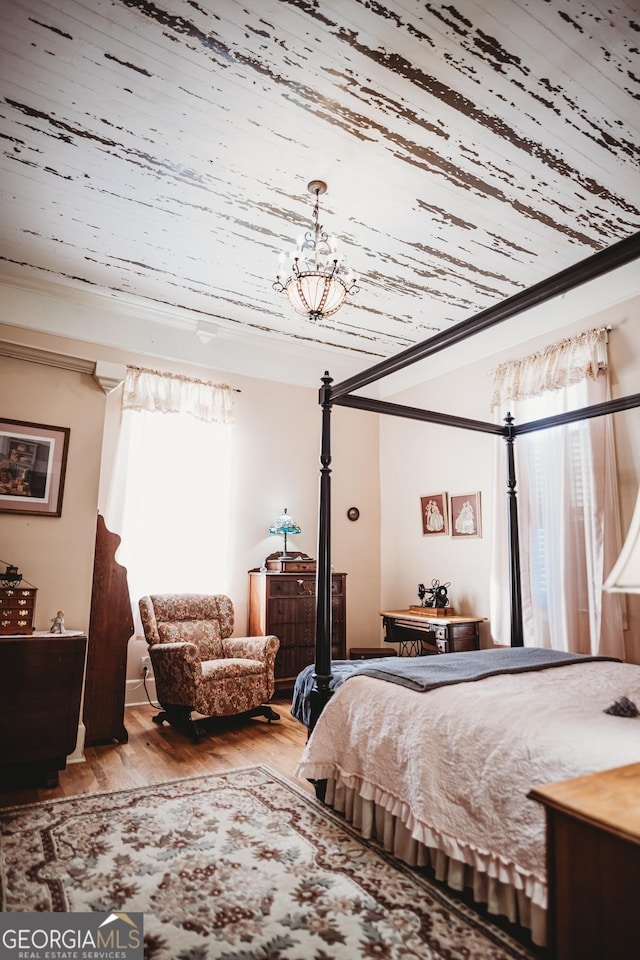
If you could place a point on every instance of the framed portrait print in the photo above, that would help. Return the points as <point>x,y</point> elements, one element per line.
<point>466,519</point>
<point>33,461</point>
<point>435,514</point>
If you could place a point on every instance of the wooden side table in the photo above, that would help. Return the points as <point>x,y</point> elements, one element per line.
<point>418,633</point>
<point>40,690</point>
<point>593,864</point>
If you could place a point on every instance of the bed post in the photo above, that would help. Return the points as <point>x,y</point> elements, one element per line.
<point>321,692</point>
<point>515,587</point>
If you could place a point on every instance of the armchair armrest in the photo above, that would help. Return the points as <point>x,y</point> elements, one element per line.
<point>253,648</point>
<point>177,670</point>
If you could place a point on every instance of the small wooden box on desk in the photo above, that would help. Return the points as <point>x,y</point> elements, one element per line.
<point>283,603</point>
<point>593,864</point>
<point>17,609</point>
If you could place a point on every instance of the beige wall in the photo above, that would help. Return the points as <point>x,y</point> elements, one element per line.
<point>56,553</point>
<point>381,465</point>
<point>276,464</point>
<point>420,458</point>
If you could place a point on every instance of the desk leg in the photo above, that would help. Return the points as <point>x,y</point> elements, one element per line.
<point>410,648</point>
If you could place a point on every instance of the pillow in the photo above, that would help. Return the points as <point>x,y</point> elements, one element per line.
<point>204,634</point>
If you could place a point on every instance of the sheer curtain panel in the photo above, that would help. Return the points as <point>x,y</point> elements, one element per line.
<point>567,502</point>
<point>170,496</point>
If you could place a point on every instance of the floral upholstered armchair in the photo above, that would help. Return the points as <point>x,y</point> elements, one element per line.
<point>197,664</point>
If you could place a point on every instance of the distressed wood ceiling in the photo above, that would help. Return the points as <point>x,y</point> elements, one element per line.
<point>162,150</point>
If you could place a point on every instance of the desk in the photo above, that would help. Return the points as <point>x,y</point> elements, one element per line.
<point>418,634</point>
<point>593,863</point>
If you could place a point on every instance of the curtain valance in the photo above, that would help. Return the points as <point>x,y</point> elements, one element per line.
<point>553,368</point>
<point>171,393</point>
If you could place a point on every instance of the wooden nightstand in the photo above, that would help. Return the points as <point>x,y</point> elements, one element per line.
<point>593,864</point>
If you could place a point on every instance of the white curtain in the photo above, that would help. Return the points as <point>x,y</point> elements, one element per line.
<point>170,494</point>
<point>567,502</point>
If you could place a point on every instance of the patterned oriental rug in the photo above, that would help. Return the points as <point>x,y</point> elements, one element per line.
<point>236,866</point>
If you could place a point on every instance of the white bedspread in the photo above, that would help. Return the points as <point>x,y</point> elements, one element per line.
<point>456,764</point>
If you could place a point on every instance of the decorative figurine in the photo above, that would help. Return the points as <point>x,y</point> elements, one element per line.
<point>57,624</point>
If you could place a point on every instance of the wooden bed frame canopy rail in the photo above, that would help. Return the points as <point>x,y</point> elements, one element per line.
<point>597,265</point>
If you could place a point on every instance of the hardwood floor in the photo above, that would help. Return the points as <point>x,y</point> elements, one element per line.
<point>155,753</point>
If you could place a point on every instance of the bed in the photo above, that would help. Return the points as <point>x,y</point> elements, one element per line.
<point>433,775</point>
<point>442,778</point>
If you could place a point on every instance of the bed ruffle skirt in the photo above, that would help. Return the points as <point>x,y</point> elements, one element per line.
<point>501,896</point>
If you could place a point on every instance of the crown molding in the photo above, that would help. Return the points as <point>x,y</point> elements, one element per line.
<point>64,361</point>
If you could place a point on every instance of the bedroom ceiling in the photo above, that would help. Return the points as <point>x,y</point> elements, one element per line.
<point>159,152</point>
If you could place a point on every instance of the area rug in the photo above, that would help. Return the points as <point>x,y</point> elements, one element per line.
<point>237,866</point>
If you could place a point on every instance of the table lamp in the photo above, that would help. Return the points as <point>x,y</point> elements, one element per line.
<point>625,576</point>
<point>284,526</point>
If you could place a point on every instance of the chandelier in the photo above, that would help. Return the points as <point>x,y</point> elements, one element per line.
<point>319,281</point>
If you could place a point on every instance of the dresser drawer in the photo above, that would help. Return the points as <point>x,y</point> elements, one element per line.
<point>294,587</point>
<point>16,597</point>
<point>281,610</point>
<point>459,631</point>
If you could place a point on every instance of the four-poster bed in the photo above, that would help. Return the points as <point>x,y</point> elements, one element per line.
<point>406,821</point>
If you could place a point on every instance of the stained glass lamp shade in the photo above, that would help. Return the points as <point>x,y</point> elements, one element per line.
<point>284,525</point>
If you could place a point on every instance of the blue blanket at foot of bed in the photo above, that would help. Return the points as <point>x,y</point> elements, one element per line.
<point>426,673</point>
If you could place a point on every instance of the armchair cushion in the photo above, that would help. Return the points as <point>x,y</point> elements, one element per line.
<point>215,670</point>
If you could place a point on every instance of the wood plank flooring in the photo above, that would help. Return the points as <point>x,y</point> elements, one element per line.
<point>157,753</point>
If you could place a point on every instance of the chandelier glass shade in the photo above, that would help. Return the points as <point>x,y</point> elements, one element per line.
<point>318,280</point>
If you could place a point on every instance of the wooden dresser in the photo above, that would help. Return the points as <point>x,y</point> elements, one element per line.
<point>593,864</point>
<point>284,604</point>
<point>17,609</point>
<point>40,688</point>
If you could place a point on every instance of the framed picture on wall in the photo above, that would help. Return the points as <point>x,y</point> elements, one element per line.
<point>466,518</point>
<point>33,461</point>
<point>435,514</point>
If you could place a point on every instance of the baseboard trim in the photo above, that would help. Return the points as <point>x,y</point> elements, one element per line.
<point>134,693</point>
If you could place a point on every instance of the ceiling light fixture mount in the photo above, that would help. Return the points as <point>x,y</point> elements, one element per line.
<point>319,281</point>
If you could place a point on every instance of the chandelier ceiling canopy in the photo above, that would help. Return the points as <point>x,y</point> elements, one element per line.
<point>318,280</point>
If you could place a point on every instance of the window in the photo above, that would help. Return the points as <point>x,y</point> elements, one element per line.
<point>170,497</point>
<point>566,487</point>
